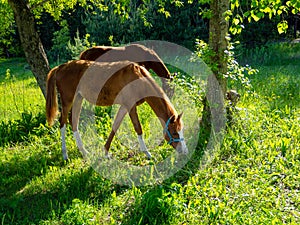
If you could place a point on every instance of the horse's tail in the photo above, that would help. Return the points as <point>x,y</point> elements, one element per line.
<point>51,97</point>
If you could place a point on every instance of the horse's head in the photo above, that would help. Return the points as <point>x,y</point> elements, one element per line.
<point>174,133</point>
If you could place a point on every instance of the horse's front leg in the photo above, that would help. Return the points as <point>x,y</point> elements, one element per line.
<point>75,114</point>
<point>117,122</point>
<point>138,129</point>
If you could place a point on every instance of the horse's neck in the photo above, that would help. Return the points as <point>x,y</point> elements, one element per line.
<point>162,108</point>
<point>157,99</point>
<point>159,68</point>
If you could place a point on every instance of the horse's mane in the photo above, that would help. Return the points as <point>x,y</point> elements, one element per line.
<point>159,93</point>
<point>153,83</point>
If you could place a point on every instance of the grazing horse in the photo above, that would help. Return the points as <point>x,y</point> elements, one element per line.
<point>104,84</point>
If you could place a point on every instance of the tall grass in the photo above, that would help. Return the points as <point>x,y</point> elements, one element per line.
<point>253,180</point>
<point>18,90</point>
<point>21,102</point>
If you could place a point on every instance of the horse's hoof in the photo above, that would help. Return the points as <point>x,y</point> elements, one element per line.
<point>108,155</point>
<point>65,157</point>
<point>149,156</point>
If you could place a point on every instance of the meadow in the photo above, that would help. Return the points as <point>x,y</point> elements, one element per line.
<point>253,179</point>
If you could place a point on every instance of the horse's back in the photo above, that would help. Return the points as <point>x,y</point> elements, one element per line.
<point>102,81</point>
<point>69,74</point>
<point>105,83</point>
<point>94,52</point>
<point>134,52</point>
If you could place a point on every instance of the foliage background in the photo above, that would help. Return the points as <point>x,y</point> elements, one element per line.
<point>254,178</point>
<point>120,22</point>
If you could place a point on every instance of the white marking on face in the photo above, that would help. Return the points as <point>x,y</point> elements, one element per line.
<point>182,147</point>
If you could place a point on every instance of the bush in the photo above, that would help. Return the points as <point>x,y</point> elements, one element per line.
<point>64,48</point>
<point>237,74</point>
<point>78,46</point>
<point>61,38</point>
<point>21,129</point>
<point>146,21</point>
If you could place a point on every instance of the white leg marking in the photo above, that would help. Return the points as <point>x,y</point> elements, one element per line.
<point>79,142</point>
<point>183,148</point>
<point>63,142</point>
<point>143,147</point>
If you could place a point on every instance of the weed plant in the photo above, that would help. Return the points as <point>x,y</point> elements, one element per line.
<point>254,178</point>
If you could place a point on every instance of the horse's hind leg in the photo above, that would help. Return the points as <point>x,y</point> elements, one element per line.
<point>63,142</point>
<point>63,121</point>
<point>119,117</point>
<point>76,109</point>
<point>138,129</point>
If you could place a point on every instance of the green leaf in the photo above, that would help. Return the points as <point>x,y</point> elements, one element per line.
<point>255,17</point>
<point>235,21</point>
<point>294,11</point>
<point>260,15</point>
<point>234,4</point>
<point>254,3</point>
<point>282,27</point>
<point>267,10</point>
<point>247,14</point>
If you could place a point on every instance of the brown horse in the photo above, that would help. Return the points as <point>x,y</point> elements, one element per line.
<point>135,53</point>
<point>125,83</point>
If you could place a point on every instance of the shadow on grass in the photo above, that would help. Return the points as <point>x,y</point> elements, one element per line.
<point>40,186</point>
<point>20,130</point>
<point>18,68</point>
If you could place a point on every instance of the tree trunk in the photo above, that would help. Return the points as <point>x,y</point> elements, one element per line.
<point>213,103</point>
<point>218,30</point>
<point>31,42</point>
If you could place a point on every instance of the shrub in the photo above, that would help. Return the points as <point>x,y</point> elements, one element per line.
<point>21,129</point>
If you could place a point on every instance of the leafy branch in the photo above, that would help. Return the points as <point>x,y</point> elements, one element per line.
<point>260,9</point>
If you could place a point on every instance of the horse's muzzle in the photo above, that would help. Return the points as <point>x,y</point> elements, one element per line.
<point>182,148</point>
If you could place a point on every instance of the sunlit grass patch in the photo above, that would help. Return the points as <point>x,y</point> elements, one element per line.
<point>19,91</point>
<point>254,178</point>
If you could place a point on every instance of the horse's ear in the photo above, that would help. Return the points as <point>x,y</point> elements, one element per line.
<point>172,119</point>
<point>135,67</point>
<point>180,116</point>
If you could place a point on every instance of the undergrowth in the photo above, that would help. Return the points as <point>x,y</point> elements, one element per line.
<point>254,178</point>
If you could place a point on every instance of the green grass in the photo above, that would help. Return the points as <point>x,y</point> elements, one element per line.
<point>18,90</point>
<point>254,178</point>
